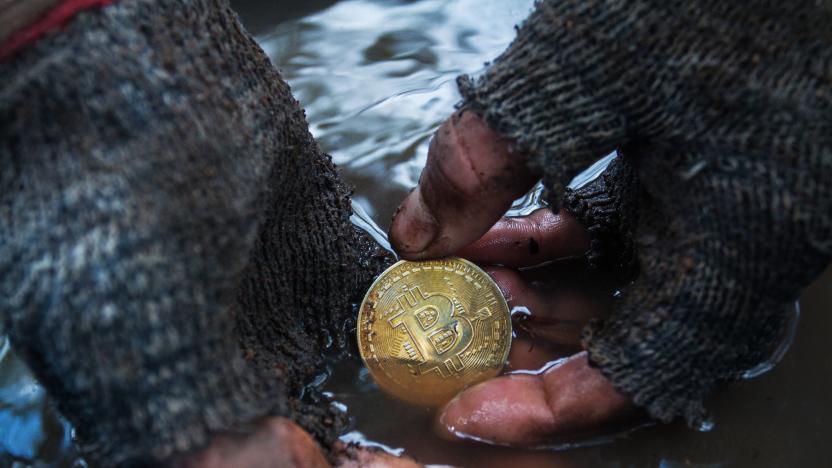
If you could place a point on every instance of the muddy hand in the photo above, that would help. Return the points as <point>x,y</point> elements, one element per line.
<point>273,442</point>
<point>568,403</point>
<point>278,442</point>
<point>470,180</point>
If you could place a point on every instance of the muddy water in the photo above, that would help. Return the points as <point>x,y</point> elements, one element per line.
<point>376,78</point>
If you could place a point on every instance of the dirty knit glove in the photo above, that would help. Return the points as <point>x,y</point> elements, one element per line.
<point>724,112</point>
<point>175,249</point>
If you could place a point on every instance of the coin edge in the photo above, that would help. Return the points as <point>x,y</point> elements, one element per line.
<point>471,264</point>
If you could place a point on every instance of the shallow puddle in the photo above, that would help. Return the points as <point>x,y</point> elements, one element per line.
<point>376,78</point>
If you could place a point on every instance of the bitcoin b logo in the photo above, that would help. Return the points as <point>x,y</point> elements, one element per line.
<point>439,333</point>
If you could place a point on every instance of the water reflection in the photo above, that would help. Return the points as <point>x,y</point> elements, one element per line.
<point>376,79</point>
<point>31,430</point>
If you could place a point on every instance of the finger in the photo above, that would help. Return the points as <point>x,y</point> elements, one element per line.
<point>355,456</point>
<point>545,312</point>
<point>569,402</point>
<point>469,181</point>
<point>529,240</point>
<point>529,353</point>
<point>275,442</point>
<point>538,337</point>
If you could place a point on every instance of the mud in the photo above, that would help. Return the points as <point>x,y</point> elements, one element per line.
<point>376,78</point>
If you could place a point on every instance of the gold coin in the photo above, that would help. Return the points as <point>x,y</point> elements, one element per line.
<point>427,330</point>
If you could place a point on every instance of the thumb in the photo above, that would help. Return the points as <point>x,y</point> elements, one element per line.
<point>470,180</point>
<point>566,403</point>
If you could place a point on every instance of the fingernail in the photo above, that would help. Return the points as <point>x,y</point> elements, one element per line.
<point>452,425</point>
<point>414,227</point>
<point>448,421</point>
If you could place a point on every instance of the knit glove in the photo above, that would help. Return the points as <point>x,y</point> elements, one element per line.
<point>175,250</point>
<point>723,111</point>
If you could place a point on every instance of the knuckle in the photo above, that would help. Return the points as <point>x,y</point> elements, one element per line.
<point>452,171</point>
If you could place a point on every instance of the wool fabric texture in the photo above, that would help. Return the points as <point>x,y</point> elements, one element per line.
<point>176,254</point>
<point>723,110</point>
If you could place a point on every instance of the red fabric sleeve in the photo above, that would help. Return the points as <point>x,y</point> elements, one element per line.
<point>54,19</point>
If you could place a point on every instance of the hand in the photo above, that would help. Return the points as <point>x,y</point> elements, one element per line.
<point>565,400</point>
<point>274,442</point>
<point>280,443</point>
<point>470,180</point>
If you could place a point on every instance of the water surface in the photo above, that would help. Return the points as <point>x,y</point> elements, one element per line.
<point>376,79</point>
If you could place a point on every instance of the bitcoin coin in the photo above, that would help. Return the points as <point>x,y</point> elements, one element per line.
<point>427,330</point>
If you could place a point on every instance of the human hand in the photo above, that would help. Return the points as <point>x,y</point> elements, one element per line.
<point>470,180</point>
<point>278,442</point>
<point>551,395</point>
<point>274,442</point>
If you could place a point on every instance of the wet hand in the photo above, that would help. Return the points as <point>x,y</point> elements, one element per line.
<point>470,180</point>
<point>563,400</point>
<point>279,442</point>
<point>272,442</point>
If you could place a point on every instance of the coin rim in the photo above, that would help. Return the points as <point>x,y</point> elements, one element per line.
<point>475,267</point>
